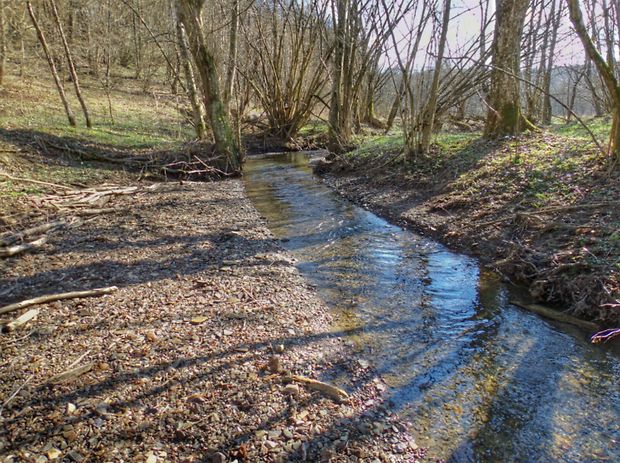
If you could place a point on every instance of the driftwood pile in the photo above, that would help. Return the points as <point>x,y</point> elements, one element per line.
<point>73,206</point>
<point>193,161</point>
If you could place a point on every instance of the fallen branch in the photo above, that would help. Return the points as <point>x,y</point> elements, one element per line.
<point>556,315</point>
<point>333,392</point>
<point>70,374</point>
<point>19,248</point>
<point>96,211</point>
<point>33,231</point>
<point>38,182</point>
<point>21,320</point>
<point>57,297</point>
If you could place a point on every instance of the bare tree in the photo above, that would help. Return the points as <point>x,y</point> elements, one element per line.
<point>606,72</point>
<point>52,65</point>
<point>71,65</point>
<point>198,110</point>
<point>555,21</point>
<point>2,43</point>
<point>504,116</point>
<point>428,113</point>
<point>233,49</point>
<point>190,15</point>
<point>285,62</point>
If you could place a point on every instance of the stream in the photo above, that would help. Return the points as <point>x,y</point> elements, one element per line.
<point>480,379</point>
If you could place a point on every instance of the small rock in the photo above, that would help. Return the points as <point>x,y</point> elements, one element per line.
<point>53,453</point>
<point>198,320</point>
<point>71,408</point>
<point>70,435</point>
<point>228,332</point>
<point>150,458</point>
<point>363,363</point>
<point>103,366</point>
<point>275,434</point>
<point>279,348</point>
<point>41,459</point>
<point>270,444</point>
<point>291,389</point>
<point>151,335</point>
<point>102,408</point>
<point>401,447</point>
<point>75,456</point>
<point>288,434</point>
<point>274,364</point>
<point>218,457</point>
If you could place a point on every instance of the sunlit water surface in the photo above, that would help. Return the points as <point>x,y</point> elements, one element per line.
<point>480,379</point>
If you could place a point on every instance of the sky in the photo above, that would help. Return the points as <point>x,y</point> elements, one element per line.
<point>465,27</point>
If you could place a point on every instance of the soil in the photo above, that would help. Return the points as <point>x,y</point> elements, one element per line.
<point>566,252</point>
<point>188,359</point>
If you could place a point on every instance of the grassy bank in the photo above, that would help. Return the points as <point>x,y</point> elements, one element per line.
<point>541,209</point>
<point>35,134</point>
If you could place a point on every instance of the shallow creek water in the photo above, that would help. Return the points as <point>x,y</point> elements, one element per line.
<point>480,379</point>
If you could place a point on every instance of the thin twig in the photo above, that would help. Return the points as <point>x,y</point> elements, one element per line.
<point>17,391</point>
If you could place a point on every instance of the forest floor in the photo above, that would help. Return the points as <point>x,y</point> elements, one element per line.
<point>188,360</point>
<point>542,209</point>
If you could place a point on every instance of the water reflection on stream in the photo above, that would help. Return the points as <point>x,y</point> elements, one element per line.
<point>480,379</point>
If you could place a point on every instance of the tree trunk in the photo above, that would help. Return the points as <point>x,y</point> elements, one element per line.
<point>232,55</point>
<point>190,16</point>
<point>400,93</point>
<point>192,92</point>
<point>504,116</point>
<point>428,114</point>
<point>335,107</point>
<point>2,43</point>
<point>72,71</point>
<point>556,16</point>
<point>50,61</point>
<point>606,73</point>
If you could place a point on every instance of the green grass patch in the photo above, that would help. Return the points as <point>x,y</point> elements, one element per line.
<point>600,126</point>
<point>137,120</point>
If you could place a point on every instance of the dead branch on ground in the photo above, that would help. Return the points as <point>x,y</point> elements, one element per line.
<point>57,297</point>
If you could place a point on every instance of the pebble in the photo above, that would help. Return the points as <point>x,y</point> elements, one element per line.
<point>275,434</point>
<point>198,320</point>
<point>363,363</point>
<point>218,457</point>
<point>75,456</point>
<point>102,408</point>
<point>71,408</point>
<point>291,389</point>
<point>401,447</point>
<point>53,453</point>
<point>274,364</point>
<point>70,435</point>
<point>270,444</point>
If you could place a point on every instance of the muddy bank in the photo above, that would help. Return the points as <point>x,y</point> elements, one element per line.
<point>566,251</point>
<point>179,356</point>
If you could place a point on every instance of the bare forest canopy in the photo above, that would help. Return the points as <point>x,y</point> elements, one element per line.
<point>414,66</point>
